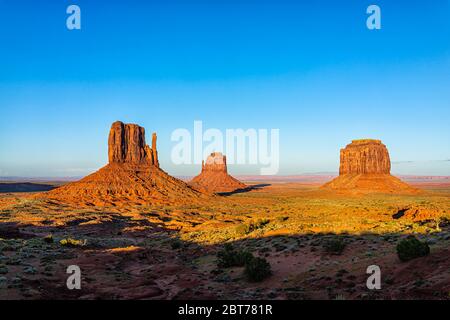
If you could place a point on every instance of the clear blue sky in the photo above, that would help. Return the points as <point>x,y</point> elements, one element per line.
<point>312,70</point>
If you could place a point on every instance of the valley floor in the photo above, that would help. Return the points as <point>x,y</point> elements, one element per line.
<point>169,252</point>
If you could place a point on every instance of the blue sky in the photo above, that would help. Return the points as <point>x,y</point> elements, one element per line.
<point>312,70</point>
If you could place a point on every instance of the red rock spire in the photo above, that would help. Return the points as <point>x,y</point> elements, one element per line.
<point>126,144</point>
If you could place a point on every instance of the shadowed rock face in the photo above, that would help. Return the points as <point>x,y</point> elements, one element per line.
<point>126,144</point>
<point>365,157</point>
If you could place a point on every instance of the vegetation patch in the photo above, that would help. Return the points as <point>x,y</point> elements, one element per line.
<point>257,269</point>
<point>48,238</point>
<point>334,246</point>
<point>229,257</point>
<point>411,248</point>
<point>246,228</point>
<point>176,244</point>
<point>72,243</point>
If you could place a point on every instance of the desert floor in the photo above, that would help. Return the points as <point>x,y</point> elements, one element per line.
<point>169,252</point>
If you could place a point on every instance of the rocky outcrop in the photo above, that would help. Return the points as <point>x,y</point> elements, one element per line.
<point>365,167</point>
<point>126,144</point>
<point>133,176</point>
<point>216,162</point>
<point>214,176</point>
<point>365,156</point>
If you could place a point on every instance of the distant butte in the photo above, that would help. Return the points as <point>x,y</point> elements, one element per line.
<point>365,167</point>
<point>133,175</point>
<point>214,176</point>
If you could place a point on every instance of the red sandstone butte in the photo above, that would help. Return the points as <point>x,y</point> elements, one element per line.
<point>126,144</point>
<point>133,175</point>
<point>214,176</point>
<point>365,167</point>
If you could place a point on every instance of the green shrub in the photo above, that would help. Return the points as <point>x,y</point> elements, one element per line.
<point>257,269</point>
<point>244,229</point>
<point>411,248</point>
<point>282,218</point>
<point>69,242</point>
<point>229,257</point>
<point>334,246</point>
<point>260,223</point>
<point>3,269</point>
<point>175,244</point>
<point>228,247</point>
<point>48,238</point>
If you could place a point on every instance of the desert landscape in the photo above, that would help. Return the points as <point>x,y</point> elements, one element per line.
<point>138,233</point>
<point>206,154</point>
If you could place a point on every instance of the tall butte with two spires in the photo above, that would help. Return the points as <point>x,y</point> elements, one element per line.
<point>214,176</point>
<point>365,167</point>
<point>132,176</point>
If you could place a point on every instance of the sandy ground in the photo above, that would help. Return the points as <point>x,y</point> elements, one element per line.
<point>169,252</point>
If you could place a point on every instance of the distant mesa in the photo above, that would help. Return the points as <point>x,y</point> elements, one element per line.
<point>214,176</point>
<point>365,167</point>
<point>132,176</point>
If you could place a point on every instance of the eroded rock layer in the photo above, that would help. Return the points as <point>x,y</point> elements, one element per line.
<point>126,144</point>
<point>365,156</point>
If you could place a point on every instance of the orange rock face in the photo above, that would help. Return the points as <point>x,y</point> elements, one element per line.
<point>214,176</point>
<point>126,144</point>
<point>365,168</point>
<point>216,162</point>
<point>132,176</point>
<point>365,156</point>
